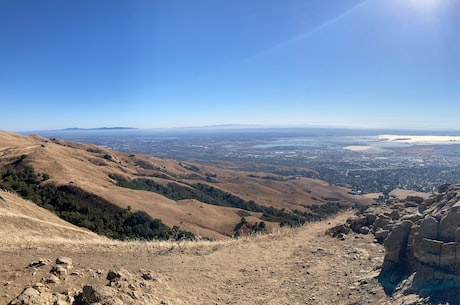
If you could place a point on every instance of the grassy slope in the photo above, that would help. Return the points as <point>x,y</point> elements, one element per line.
<point>23,221</point>
<point>85,166</point>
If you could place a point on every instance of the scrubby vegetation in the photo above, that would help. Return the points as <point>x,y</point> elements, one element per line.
<point>212,195</point>
<point>85,209</point>
<point>244,227</point>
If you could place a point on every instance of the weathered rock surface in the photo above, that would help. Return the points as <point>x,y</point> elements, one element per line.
<point>396,242</point>
<point>39,294</point>
<point>422,243</point>
<point>122,288</point>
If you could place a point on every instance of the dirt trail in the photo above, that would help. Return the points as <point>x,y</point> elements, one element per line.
<point>301,266</point>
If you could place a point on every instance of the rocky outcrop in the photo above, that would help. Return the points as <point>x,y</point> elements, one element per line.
<point>422,242</point>
<point>122,288</point>
<point>39,294</point>
<point>396,242</point>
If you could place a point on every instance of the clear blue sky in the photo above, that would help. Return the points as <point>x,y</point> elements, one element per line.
<point>147,64</point>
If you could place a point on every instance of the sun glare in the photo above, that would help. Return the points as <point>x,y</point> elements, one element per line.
<point>426,12</point>
<point>426,5</point>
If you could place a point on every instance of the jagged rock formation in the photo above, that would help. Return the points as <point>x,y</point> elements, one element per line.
<point>422,243</point>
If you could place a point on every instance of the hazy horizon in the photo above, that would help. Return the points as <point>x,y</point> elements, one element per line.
<point>153,64</point>
<point>280,130</point>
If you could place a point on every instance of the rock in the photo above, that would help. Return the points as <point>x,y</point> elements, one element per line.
<point>422,242</point>
<point>410,204</point>
<point>148,276</point>
<point>40,287</point>
<point>428,228</point>
<point>447,259</point>
<point>427,251</point>
<point>416,199</point>
<point>66,261</point>
<point>422,207</point>
<point>433,242</point>
<point>52,279</point>
<point>381,235</point>
<point>370,218</point>
<point>457,234</point>
<point>116,274</point>
<point>39,263</point>
<point>32,296</point>
<point>357,222</point>
<point>113,275</point>
<point>95,294</point>
<point>396,242</point>
<point>364,230</point>
<point>58,270</point>
<point>394,215</point>
<point>443,188</point>
<point>338,229</point>
<point>448,226</point>
<point>411,214</point>
<point>382,222</point>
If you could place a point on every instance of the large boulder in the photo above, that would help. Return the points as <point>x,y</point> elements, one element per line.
<point>99,295</point>
<point>449,224</point>
<point>357,222</point>
<point>396,242</point>
<point>428,228</point>
<point>338,230</point>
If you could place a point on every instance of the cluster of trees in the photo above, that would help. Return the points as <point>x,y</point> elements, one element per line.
<point>214,196</point>
<point>201,192</point>
<point>85,209</point>
<point>321,211</point>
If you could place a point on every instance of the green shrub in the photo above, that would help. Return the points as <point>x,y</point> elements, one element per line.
<point>84,209</point>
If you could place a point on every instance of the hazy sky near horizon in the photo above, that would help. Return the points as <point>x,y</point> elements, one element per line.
<point>148,64</point>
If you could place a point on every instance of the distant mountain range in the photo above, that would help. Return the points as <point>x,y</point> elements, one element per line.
<point>241,128</point>
<point>99,128</point>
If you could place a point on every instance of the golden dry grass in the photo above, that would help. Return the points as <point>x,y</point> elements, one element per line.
<point>288,266</point>
<point>83,165</point>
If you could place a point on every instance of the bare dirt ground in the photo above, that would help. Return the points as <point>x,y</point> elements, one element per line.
<point>292,266</point>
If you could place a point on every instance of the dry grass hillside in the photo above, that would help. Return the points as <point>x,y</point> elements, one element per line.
<point>287,266</point>
<point>88,167</point>
<point>24,222</point>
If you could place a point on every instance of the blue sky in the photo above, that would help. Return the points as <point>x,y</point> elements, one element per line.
<point>148,64</point>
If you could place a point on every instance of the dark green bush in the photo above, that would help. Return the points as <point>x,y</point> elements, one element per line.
<point>212,195</point>
<point>84,209</point>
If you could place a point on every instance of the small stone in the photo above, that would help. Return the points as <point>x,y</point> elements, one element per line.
<point>58,270</point>
<point>148,276</point>
<point>40,287</point>
<point>64,261</point>
<point>52,279</point>
<point>113,274</point>
<point>39,263</point>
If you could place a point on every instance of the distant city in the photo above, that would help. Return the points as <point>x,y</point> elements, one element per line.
<point>367,161</point>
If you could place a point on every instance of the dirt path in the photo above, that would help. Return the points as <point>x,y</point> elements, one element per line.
<point>301,266</point>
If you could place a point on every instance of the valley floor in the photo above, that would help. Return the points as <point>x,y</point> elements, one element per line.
<point>300,266</point>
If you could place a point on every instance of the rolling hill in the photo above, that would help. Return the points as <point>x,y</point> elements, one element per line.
<point>205,200</point>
